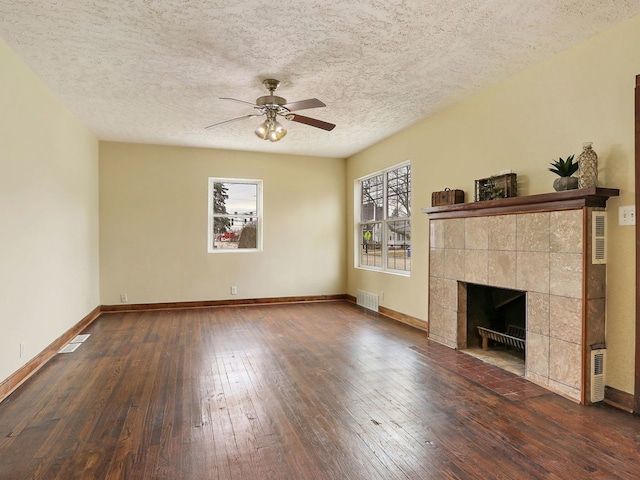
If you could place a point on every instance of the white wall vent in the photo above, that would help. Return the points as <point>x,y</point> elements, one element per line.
<point>367,300</point>
<point>598,237</point>
<point>598,358</point>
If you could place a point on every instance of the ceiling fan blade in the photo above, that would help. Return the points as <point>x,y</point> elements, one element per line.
<point>233,120</point>
<point>311,121</point>
<point>239,101</point>
<point>304,104</point>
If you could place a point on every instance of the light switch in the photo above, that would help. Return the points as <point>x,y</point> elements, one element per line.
<point>627,215</point>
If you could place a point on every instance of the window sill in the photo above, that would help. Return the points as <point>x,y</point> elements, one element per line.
<point>398,273</point>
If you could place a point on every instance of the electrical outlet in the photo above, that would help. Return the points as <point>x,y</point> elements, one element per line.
<point>23,350</point>
<point>381,295</point>
<point>627,215</point>
<point>124,298</point>
<point>234,290</point>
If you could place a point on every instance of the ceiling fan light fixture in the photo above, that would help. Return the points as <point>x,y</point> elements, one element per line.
<point>271,129</point>
<point>262,130</point>
<point>276,131</point>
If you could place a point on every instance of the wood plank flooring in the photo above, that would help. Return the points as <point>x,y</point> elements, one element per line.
<point>302,391</point>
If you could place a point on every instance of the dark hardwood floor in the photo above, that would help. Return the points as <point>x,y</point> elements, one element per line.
<point>301,391</point>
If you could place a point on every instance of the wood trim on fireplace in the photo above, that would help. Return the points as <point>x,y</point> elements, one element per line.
<point>636,396</point>
<point>586,359</point>
<point>569,199</point>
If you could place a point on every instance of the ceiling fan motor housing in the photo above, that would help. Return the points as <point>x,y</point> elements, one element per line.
<point>270,100</point>
<point>270,84</point>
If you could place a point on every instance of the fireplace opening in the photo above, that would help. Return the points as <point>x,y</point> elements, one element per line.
<point>496,325</point>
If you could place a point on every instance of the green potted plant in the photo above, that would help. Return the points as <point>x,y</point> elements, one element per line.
<point>564,169</point>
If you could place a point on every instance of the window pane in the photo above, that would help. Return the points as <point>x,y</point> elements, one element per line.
<point>399,245</point>
<point>220,197</point>
<point>399,192</point>
<point>372,198</point>
<point>240,232</point>
<point>235,217</point>
<point>371,245</point>
<point>235,198</point>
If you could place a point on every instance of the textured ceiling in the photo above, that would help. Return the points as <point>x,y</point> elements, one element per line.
<point>152,71</point>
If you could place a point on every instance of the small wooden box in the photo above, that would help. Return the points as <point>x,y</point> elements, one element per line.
<point>499,186</point>
<point>447,197</point>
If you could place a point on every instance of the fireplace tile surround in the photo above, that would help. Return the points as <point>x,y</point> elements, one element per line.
<point>540,244</point>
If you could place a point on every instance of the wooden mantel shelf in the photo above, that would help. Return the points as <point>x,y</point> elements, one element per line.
<point>566,200</point>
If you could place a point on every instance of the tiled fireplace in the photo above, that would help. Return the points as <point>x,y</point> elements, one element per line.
<point>542,245</point>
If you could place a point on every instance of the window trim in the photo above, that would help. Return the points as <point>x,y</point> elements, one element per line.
<point>358,221</point>
<point>259,214</point>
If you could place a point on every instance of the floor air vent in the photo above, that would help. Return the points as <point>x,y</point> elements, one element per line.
<point>598,358</point>
<point>70,348</point>
<point>367,300</point>
<point>73,345</point>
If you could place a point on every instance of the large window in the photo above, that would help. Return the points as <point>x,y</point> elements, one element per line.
<point>235,215</point>
<point>384,226</point>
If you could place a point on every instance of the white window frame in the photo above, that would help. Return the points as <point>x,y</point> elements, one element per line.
<point>211,215</point>
<point>384,222</point>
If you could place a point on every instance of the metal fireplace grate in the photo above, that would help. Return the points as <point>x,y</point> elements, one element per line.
<point>515,336</point>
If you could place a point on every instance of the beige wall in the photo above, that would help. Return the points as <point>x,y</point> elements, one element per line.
<point>583,94</point>
<point>153,225</point>
<point>48,216</point>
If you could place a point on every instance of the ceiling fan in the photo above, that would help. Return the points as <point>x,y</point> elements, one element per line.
<point>273,106</point>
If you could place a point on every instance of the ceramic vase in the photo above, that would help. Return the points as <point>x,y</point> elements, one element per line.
<point>587,167</point>
<point>565,183</point>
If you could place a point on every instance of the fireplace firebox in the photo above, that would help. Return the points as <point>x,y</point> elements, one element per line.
<point>495,317</point>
